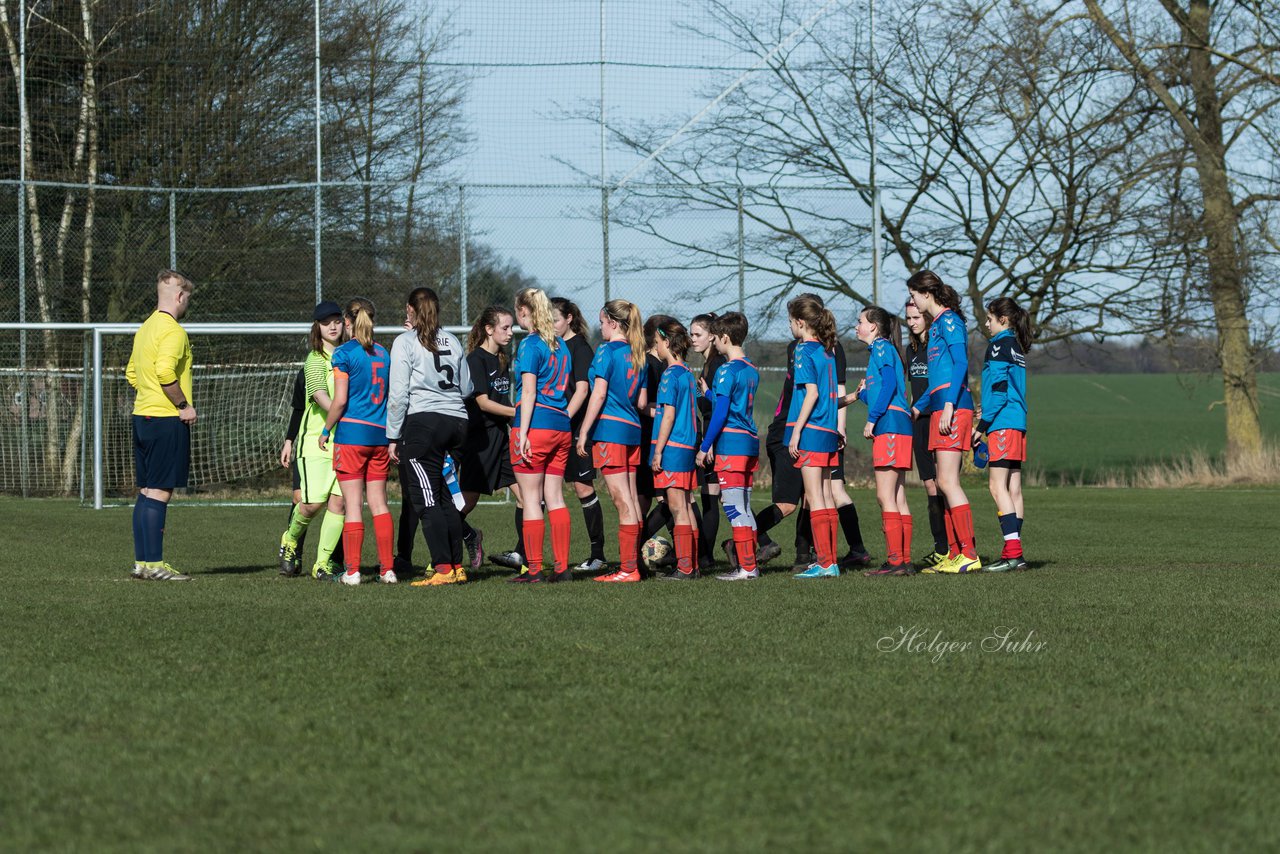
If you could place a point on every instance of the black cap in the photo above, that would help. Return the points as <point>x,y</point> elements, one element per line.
<point>328,309</point>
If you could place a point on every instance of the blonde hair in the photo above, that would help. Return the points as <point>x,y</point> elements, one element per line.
<point>626,315</point>
<point>177,278</point>
<point>360,312</point>
<point>535,299</point>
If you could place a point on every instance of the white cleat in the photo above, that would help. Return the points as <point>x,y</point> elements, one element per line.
<point>739,574</point>
<point>351,579</point>
<point>388,577</point>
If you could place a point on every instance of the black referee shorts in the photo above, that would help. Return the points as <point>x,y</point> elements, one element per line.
<point>161,451</point>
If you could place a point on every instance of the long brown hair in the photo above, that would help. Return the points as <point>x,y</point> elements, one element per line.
<point>817,317</point>
<point>928,282</point>
<point>627,316</point>
<point>426,316</point>
<point>360,312</point>
<point>673,332</point>
<point>1017,317</point>
<point>491,316</point>
<point>316,340</point>
<point>568,308</point>
<point>535,299</point>
<point>888,327</point>
<point>651,324</point>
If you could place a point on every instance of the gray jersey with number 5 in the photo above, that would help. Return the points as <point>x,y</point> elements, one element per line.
<point>422,381</point>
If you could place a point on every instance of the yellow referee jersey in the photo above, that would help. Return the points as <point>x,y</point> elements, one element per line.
<point>161,354</point>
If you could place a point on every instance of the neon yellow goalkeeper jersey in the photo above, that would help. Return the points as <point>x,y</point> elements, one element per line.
<point>319,375</point>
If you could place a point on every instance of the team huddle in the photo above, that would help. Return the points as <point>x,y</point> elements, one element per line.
<point>460,423</point>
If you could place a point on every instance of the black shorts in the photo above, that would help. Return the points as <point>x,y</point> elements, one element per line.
<point>706,476</point>
<point>788,485</point>
<point>837,473</point>
<point>485,464</point>
<point>161,452</point>
<point>920,447</point>
<point>294,474</point>
<point>579,469</point>
<point>644,477</point>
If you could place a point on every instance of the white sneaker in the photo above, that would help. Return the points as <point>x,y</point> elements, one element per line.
<point>595,564</point>
<point>351,579</point>
<point>388,577</point>
<point>139,572</point>
<point>739,574</point>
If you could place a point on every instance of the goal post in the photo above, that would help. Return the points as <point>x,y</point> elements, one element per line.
<point>242,377</point>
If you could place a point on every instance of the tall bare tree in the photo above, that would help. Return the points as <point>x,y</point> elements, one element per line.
<point>1211,65</point>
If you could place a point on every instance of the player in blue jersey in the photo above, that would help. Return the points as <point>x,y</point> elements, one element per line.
<point>1003,419</point>
<point>917,356</point>
<point>359,412</point>
<point>540,445</point>
<point>612,424</point>
<point>675,443</point>
<point>731,440</point>
<point>884,391</point>
<point>812,432</point>
<point>949,406</point>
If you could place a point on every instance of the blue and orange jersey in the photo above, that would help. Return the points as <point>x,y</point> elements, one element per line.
<point>364,421</point>
<point>677,391</point>
<point>1004,385</point>
<point>813,366</point>
<point>948,365</point>
<point>619,420</point>
<point>732,428</point>
<point>886,391</point>
<point>552,371</point>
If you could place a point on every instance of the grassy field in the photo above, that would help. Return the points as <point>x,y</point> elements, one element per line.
<point>245,711</point>
<point>1085,426</point>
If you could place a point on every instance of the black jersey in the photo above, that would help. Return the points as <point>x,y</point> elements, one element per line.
<point>653,367</point>
<point>778,426</point>
<point>580,356</point>
<point>299,405</point>
<point>490,378</point>
<point>918,369</point>
<point>710,366</point>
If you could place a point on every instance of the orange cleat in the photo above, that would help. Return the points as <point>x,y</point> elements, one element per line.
<point>619,577</point>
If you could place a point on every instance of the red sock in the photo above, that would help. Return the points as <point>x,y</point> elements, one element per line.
<point>833,535</point>
<point>560,530</point>
<point>684,548</point>
<point>628,537</point>
<point>953,545</point>
<point>818,535</point>
<point>534,530</point>
<point>906,537</point>
<point>964,529</point>
<point>744,542</point>
<point>352,544</point>
<point>384,534</point>
<point>697,539</point>
<point>891,524</point>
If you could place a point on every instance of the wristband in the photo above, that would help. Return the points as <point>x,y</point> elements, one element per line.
<point>325,432</point>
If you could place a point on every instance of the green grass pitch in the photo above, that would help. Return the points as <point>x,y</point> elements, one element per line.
<point>248,712</point>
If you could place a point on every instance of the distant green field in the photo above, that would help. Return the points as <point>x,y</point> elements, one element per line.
<point>1084,426</point>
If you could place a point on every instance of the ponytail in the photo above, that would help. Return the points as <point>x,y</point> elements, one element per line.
<point>627,316</point>
<point>888,327</point>
<point>426,316</point>
<point>928,282</point>
<point>568,308</point>
<point>491,316</point>
<point>360,312</point>
<point>1016,316</point>
<point>817,317</point>
<point>535,299</point>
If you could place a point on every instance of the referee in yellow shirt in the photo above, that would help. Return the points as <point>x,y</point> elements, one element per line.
<point>160,371</point>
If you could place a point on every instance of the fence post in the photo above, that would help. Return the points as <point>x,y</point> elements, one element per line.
<point>25,384</point>
<point>462,254</point>
<point>319,167</point>
<point>875,245</point>
<point>84,413</point>
<point>604,237</point>
<point>742,259</point>
<point>97,419</point>
<point>173,230</point>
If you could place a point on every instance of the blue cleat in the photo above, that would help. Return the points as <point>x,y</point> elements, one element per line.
<point>816,571</point>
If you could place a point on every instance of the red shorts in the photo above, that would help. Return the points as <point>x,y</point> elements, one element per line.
<point>961,438</point>
<point>360,462</point>
<point>613,458</point>
<point>736,471</point>
<point>1007,445</point>
<point>818,460</point>
<point>685,480</point>
<point>548,452</point>
<point>891,451</point>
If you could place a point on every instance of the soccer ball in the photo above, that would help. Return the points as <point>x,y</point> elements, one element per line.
<point>656,552</point>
